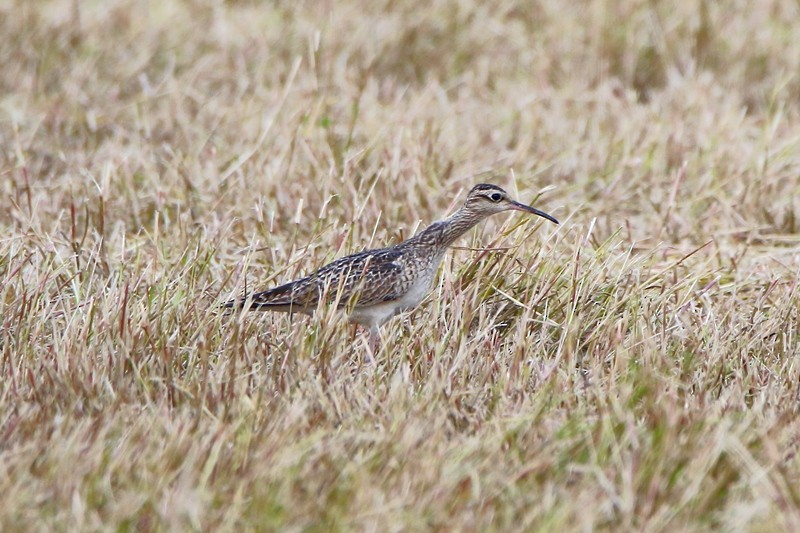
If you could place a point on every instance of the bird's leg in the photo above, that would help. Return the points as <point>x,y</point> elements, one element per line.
<point>353,339</point>
<point>374,344</point>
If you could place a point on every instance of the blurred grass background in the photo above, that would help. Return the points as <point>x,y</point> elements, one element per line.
<point>635,368</point>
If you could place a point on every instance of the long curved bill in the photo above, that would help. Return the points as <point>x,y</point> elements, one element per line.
<point>528,209</point>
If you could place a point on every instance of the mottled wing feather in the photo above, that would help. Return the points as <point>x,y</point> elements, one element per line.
<point>364,279</point>
<point>375,278</point>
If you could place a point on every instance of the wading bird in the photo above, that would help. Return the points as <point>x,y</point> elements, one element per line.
<point>375,285</point>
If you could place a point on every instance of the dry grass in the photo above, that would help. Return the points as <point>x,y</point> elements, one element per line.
<point>636,368</point>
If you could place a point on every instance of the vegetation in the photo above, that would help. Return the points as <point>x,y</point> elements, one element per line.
<point>635,368</point>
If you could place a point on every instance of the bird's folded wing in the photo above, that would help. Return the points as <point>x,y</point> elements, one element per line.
<point>361,279</point>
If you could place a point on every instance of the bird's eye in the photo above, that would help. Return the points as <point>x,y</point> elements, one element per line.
<point>496,197</point>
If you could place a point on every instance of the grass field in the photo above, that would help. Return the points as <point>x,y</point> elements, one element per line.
<point>635,368</point>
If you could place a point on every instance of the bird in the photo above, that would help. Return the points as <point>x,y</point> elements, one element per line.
<point>375,285</point>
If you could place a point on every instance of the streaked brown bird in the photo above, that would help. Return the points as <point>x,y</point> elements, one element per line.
<point>375,285</point>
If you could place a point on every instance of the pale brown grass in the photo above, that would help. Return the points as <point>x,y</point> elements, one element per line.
<point>636,368</point>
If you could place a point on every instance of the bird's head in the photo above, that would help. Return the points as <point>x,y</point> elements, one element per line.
<point>485,199</point>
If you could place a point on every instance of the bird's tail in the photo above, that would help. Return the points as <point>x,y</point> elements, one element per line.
<point>277,299</point>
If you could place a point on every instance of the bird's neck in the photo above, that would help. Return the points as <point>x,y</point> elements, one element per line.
<point>443,233</point>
